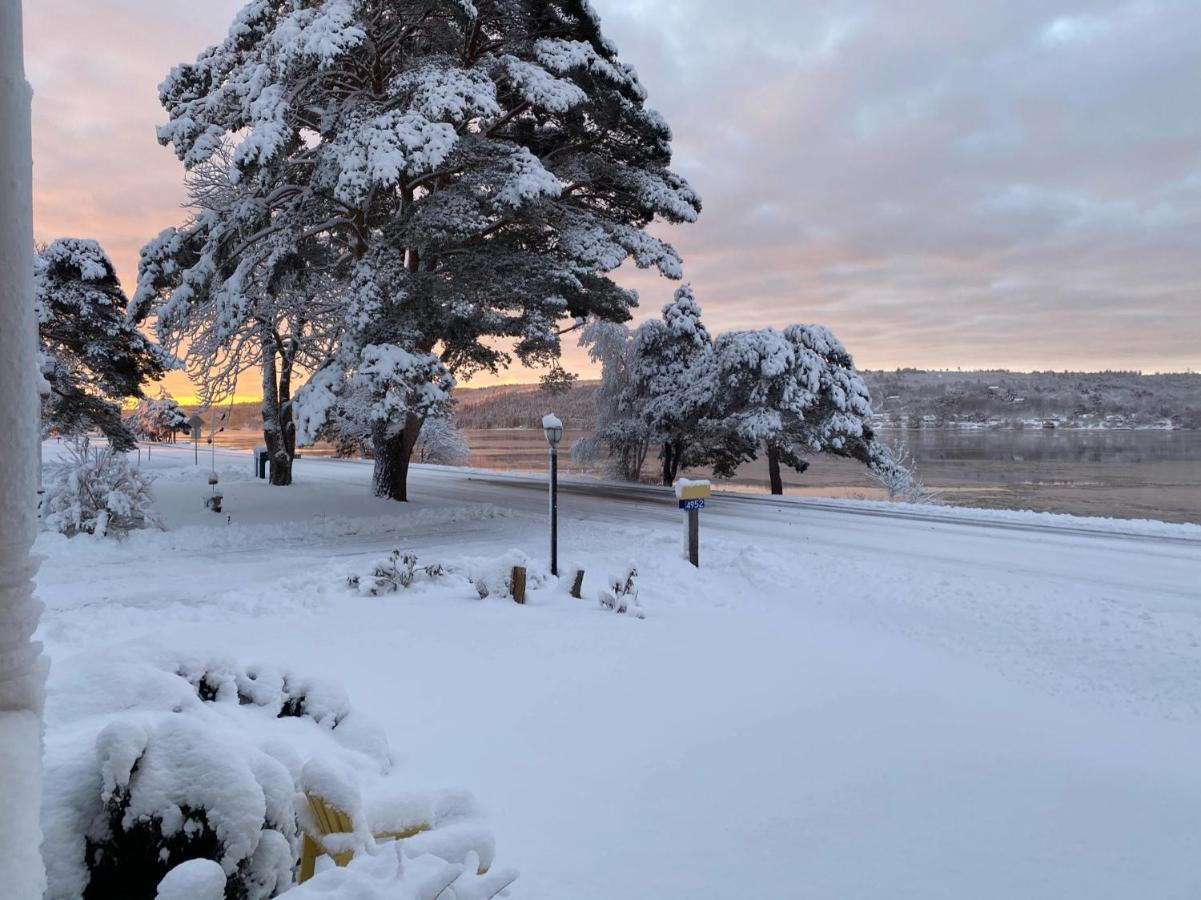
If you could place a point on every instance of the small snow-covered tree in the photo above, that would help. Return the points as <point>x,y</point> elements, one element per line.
<point>787,392</point>
<point>621,435</point>
<point>159,418</point>
<point>672,384</point>
<point>93,355</point>
<point>474,170</point>
<point>894,469</point>
<point>97,491</point>
<point>441,442</point>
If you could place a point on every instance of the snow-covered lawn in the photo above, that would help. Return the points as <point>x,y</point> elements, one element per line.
<point>836,705</point>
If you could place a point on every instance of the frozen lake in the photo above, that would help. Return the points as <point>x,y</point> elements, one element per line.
<point>1129,474</point>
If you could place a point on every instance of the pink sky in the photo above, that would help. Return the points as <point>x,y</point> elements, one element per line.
<point>1005,183</point>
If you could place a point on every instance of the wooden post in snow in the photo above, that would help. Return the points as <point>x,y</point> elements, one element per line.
<point>517,584</point>
<point>22,669</point>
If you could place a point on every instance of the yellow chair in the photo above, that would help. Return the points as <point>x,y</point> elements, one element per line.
<point>330,820</point>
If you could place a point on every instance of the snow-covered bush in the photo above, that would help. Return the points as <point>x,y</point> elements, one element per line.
<point>895,470</point>
<point>397,572</point>
<point>621,593</point>
<point>441,442</point>
<point>97,491</point>
<point>165,763</point>
<point>196,879</point>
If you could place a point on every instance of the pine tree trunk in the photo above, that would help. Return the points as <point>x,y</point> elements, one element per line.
<point>672,455</point>
<point>22,669</point>
<point>273,436</point>
<point>669,473</point>
<point>392,456</point>
<point>773,469</point>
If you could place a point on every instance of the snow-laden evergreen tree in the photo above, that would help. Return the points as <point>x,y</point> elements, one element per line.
<point>229,316</point>
<point>622,437</point>
<point>92,354</point>
<point>785,393</point>
<point>673,383</point>
<point>471,172</point>
<point>158,419</point>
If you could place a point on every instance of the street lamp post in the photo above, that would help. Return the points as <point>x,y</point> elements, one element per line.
<point>554,433</point>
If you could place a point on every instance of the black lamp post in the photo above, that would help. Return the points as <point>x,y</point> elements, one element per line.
<point>554,433</point>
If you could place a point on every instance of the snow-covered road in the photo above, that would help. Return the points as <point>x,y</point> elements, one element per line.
<point>846,701</point>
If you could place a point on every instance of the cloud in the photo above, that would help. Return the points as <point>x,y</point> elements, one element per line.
<point>1002,182</point>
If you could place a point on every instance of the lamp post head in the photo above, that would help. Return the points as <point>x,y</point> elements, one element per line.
<point>553,428</point>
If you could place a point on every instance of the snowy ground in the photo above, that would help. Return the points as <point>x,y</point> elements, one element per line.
<point>845,701</point>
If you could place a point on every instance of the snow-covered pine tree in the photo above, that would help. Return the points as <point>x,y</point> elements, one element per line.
<point>785,392</point>
<point>673,380</point>
<point>92,354</point>
<point>621,435</point>
<point>474,170</point>
<point>159,418</point>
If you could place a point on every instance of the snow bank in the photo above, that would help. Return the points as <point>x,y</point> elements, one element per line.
<point>195,539</point>
<point>391,873</point>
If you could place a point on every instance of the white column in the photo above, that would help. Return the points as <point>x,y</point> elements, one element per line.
<point>22,669</point>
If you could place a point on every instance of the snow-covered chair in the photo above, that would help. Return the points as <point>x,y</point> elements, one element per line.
<point>335,822</point>
<point>330,822</point>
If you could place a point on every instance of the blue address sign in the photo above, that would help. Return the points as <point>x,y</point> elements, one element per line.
<point>692,504</point>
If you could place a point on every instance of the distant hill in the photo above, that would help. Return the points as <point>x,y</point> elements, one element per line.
<point>524,405</point>
<point>900,397</point>
<point>1077,398</point>
<point>913,396</point>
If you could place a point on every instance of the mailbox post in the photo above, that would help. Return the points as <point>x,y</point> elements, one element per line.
<point>691,495</point>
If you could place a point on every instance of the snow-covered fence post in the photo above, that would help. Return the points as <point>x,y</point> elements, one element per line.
<point>691,495</point>
<point>22,670</point>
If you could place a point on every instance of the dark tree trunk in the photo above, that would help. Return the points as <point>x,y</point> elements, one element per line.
<point>287,421</point>
<point>392,457</point>
<point>672,455</point>
<point>273,436</point>
<point>773,469</point>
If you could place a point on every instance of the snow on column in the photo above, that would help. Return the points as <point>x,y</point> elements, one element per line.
<point>22,674</point>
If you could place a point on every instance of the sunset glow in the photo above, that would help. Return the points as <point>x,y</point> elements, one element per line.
<point>1017,188</point>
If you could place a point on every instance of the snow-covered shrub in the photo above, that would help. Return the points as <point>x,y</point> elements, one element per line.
<point>164,763</point>
<point>441,442</point>
<point>494,576</point>
<point>196,879</point>
<point>397,572</point>
<point>621,593</point>
<point>96,490</point>
<point>174,789</point>
<point>895,470</point>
